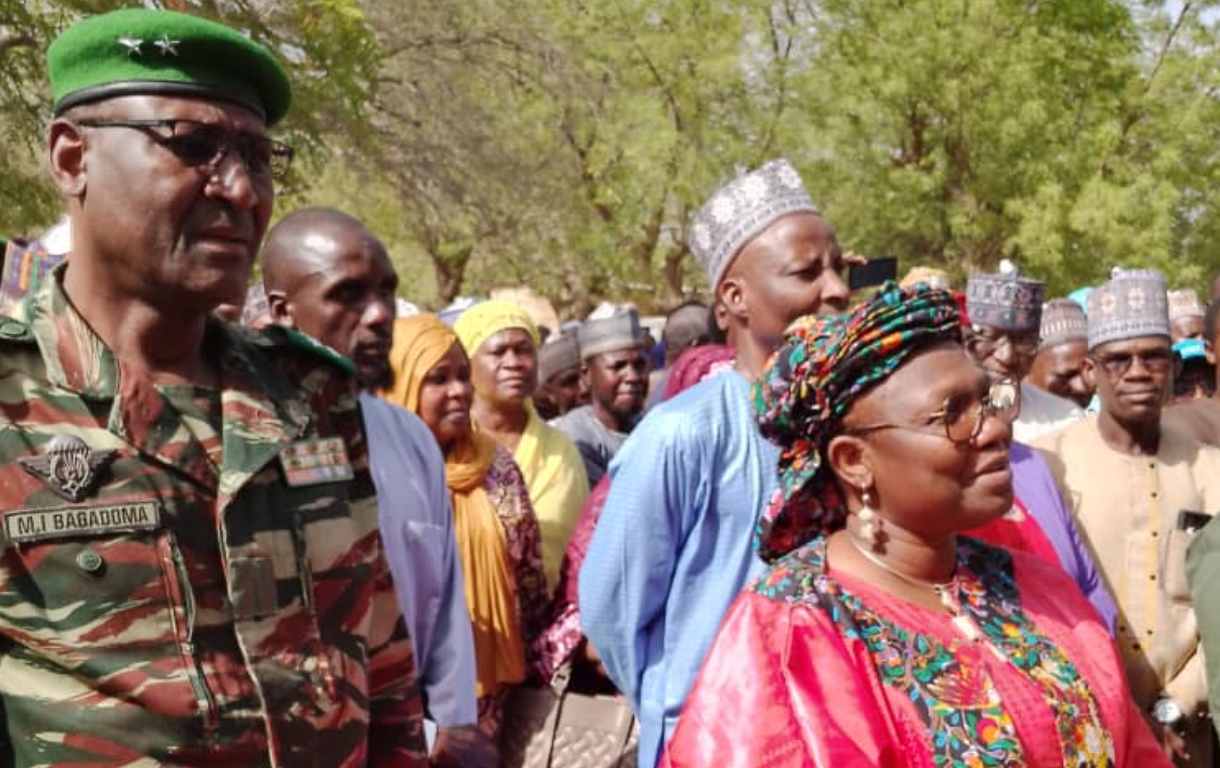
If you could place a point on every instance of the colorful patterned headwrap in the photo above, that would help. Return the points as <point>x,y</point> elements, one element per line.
<point>825,365</point>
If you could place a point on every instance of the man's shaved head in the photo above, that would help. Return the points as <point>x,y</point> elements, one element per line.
<point>328,276</point>
<point>306,242</point>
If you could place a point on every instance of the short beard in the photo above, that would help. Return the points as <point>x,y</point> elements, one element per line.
<point>621,415</point>
<point>375,381</point>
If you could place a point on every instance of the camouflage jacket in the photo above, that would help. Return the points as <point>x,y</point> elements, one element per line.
<point>182,594</point>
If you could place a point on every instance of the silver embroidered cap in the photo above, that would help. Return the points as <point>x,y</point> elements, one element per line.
<point>1185,303</point>
<point>1062,320</point>
<point>742,209</point>
<point>1007,300</point>
<point>610,334</point>
<point>558,354</point>
<point>1131,305</point>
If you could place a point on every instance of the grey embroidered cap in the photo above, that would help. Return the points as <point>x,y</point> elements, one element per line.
<point>559,354</point>
<point>1131,305</point>
<point>1185,303</point>
<point>1063,320</point>
<point>742,209</point>
<point>610,334</point>
<point>1007,301</point>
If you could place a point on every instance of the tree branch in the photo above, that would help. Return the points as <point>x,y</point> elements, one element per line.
<point>1173,33</point>
<point>15,41</point>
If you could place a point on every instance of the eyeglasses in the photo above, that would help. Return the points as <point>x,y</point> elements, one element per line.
<point>983,344</point>
<point>1117,364</point>
<point>205,145</point>
<point>963,418</point>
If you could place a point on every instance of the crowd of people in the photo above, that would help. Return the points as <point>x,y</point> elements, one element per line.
<point>285,523</point>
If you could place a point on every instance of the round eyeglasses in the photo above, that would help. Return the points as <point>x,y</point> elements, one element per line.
<point>962,417</point>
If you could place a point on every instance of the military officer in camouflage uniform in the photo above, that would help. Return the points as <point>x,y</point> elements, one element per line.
<point>328,276</point>
<point>190,568</point>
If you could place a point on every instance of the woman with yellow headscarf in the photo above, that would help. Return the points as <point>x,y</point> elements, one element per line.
<point>502,342</point>
<point>493,521</point>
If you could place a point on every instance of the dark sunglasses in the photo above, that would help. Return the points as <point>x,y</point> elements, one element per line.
<point>1117,364</point>
<point>205,145</point>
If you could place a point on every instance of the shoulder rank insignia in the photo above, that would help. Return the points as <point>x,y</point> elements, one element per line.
<point>69,467</point>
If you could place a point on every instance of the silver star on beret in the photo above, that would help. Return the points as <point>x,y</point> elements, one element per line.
<point>166,46</point>
<point>132,44</point>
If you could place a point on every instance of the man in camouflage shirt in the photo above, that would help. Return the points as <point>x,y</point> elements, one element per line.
<point>327,276</point>
<point>190,568</point>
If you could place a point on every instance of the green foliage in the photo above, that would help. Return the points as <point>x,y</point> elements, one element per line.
<point>327,45</point>
<point>26,200</point>
<point>381,211</point>
<point>1072,136</point>
<point>564,144</point>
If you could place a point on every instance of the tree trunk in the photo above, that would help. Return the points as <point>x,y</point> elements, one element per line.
<point>673,274</point>
<point>450,272</point>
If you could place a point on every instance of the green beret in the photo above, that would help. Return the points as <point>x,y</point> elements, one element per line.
<point>141,51</point>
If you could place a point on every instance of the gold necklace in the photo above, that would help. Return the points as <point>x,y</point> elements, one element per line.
<point>946,591</point>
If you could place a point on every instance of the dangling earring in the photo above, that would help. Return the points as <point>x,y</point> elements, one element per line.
<point>871,521</point>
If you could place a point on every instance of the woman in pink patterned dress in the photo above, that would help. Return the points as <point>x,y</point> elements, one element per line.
<point>879,636</point>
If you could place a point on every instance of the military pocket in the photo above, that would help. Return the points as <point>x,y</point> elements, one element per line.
<point>115,607</point>
<point>83,584</point>
<point>322,539</point>
<point>339,549</point>
<point>307,546</point>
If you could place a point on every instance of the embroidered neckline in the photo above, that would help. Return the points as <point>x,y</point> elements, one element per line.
<point>958,702</point>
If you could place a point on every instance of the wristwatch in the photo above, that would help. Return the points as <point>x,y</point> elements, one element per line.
<point>1167,712</point>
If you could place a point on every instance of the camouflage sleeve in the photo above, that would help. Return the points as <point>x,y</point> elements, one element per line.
<point>395,701</point>
<point>6,745</point>
<point>396,709</point>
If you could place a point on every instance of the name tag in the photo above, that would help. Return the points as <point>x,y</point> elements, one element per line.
<point>23,525</point>
<point>314,462</point>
